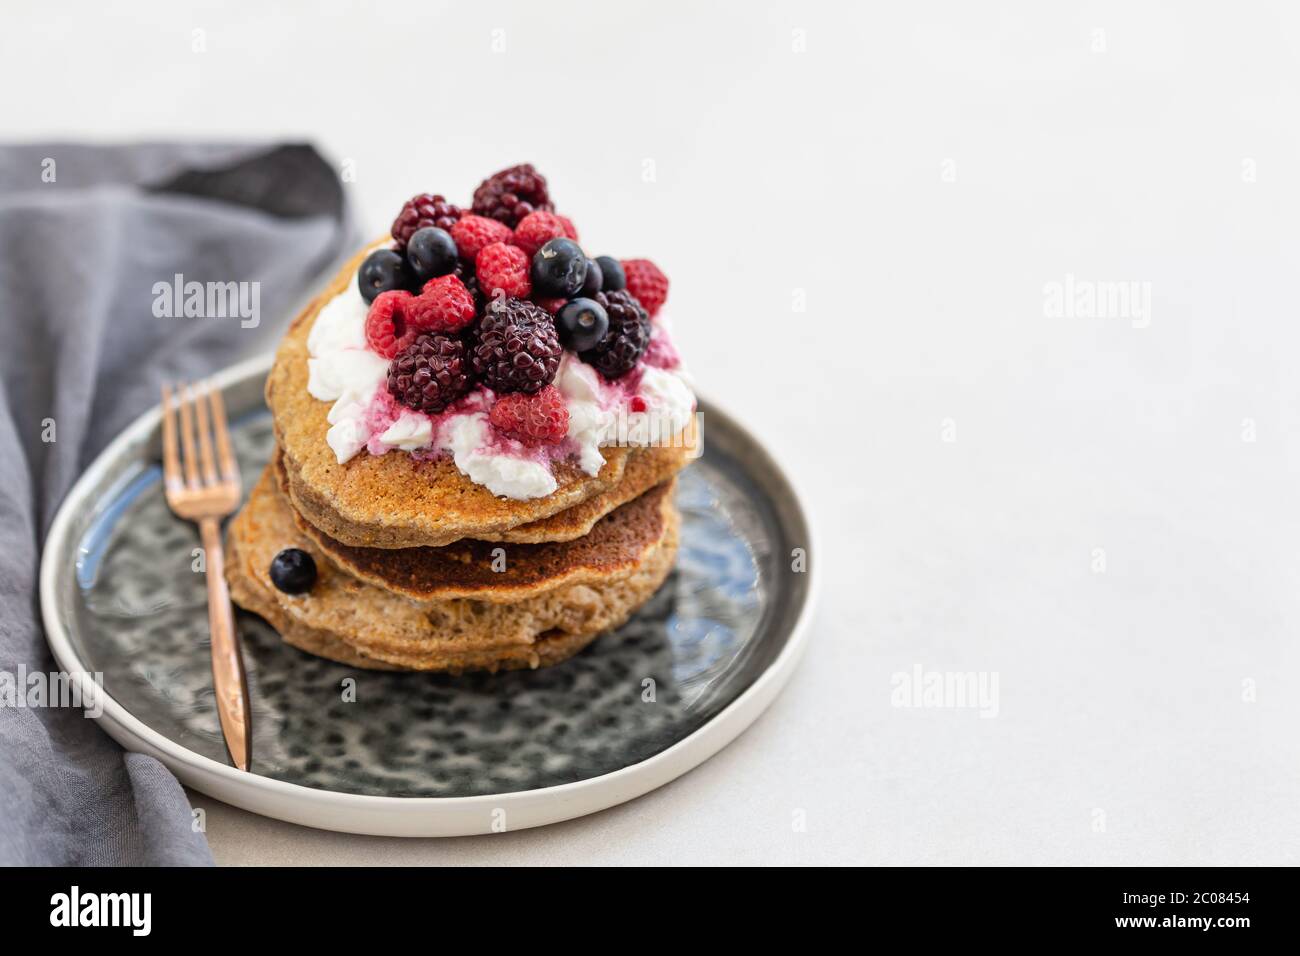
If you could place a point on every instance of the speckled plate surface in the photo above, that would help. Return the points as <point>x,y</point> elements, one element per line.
<point>420,754</point>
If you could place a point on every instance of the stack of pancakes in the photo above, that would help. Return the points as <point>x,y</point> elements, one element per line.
<point>419,568</point>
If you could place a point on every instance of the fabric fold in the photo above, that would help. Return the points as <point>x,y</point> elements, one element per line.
<point>122,267</point>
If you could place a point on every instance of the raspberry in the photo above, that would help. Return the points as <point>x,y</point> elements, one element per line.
<point>627,338</point>
<point>510,195</point>
<point>647,283</point>
<point>445,305</point>
<point>430,373</point>
<point>515,347</point>
<point>388,329</point>
<point>474,233</point>
<point>503,267</point>
<point>423,210</point>
<point>538,419</point>
<point>538,228</point>
<point>551,305</point>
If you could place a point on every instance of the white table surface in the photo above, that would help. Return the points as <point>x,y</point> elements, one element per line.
<point>922,176</point>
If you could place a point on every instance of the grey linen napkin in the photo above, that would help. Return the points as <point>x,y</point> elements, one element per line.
<point>86,235</point>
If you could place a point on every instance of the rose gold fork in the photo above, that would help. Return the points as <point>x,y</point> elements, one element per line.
<point>200,491</point>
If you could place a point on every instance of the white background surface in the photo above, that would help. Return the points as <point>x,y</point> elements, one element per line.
<point>921,174</point>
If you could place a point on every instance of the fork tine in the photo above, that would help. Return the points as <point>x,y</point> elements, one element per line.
<point>205,439</point>
<point>188,458</point>
<point>171,461</point>
<point>229,470</point>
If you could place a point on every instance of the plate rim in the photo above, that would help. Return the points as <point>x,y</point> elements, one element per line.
<point>376,815</point>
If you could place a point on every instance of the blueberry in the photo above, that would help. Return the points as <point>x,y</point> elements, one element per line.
<point>595,280</point>
<point>559,269</point>
<point>293,571</point>
<point>383,271</point>
<point>582,324</point>
<point>431,252</point>
<point>612,271</point>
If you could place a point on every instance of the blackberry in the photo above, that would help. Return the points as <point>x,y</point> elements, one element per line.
<point>430,373</point>
<point>511,194</point>
<point>627,338</point>
<point>516,348</point>
<point>421,211</point>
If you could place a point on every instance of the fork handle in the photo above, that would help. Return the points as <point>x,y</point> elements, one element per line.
<point>227,662</point>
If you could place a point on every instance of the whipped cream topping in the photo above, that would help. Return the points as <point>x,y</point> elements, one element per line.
<point>651,405</point>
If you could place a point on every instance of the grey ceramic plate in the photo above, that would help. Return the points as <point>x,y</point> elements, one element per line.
<point>425,754</point>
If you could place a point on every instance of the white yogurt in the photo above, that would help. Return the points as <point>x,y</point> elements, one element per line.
<point>649,406</point>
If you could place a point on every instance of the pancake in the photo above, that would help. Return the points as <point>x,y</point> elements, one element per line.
<point>646,467</point>
<point>360,624</point>
<point>500,573</point>
<point>395,500</point>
